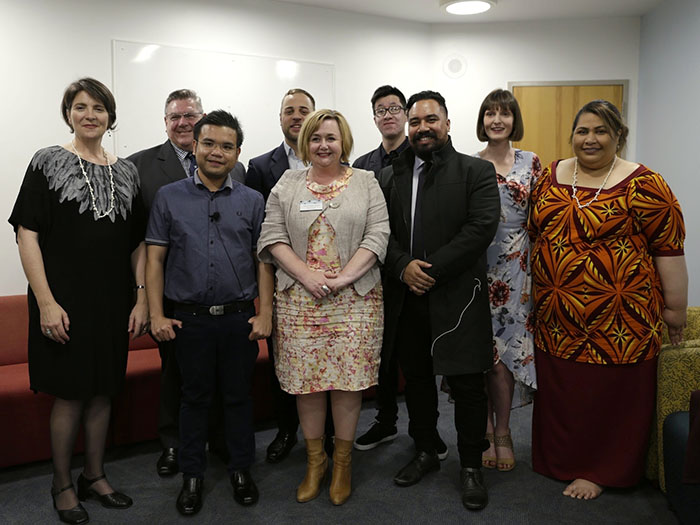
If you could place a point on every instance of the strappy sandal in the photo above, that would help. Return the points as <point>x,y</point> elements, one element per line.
<point>489,461</point>
<point>505,464</point>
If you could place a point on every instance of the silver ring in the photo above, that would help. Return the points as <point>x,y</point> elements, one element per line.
<point>48,331</point>
<point>325,288</point>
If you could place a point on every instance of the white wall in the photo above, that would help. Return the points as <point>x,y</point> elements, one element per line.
<point>47,44</point>
<point>669,112</point>
<point>559,50</point>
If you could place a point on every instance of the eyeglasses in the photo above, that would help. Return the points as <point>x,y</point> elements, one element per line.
<point>394,110</point>
<point>189,117</point>
<point>227,147</point>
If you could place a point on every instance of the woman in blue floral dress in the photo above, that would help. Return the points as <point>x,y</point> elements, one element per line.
<point>499,123</point>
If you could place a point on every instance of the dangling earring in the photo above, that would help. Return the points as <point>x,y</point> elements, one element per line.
<point>109,133</point>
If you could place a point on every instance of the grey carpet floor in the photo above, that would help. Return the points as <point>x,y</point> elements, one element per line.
<point>517,497</point>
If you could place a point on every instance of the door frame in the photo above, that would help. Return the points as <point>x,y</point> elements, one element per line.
<point>625,88</point>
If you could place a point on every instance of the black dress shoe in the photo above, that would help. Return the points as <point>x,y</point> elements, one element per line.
<point>113,500</point>
<point>75,516</point>
<point>167,463</point>
<point>420,465</point>
<point>280,446</point>
<point>474,495</point>
<point>244,490</point>
<point>189,502</point>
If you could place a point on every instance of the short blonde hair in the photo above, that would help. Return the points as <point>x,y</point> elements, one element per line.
<point>311,125</point>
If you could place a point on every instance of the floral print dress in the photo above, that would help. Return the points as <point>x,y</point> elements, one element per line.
<point>332,343</point>
<point>509,277</point>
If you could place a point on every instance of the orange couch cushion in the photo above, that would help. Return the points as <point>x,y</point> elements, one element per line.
<point>14,326</point>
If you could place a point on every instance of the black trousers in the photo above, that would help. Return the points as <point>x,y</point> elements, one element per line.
<point>169,403</point>
<point>387,388</point>
<point>215,351</point>
<point>413,348</point>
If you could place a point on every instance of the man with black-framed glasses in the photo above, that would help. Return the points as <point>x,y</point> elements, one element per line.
<point>389,110</point>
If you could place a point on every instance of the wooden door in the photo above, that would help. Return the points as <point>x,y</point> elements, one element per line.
<point>549,110</point>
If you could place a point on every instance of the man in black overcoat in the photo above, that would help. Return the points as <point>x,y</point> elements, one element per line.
<point>444,209</point>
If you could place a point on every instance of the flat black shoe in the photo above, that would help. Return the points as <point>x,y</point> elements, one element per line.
<point>167,463</point>
<point>244,490</point>
<point>474,495</point>
<point>281,446</point>
<point>419,466</point>
<point>113,500</point>
<point>189,501</point>
<point>75,516</point>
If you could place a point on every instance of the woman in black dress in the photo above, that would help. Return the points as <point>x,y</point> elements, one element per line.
<point>79,228</point>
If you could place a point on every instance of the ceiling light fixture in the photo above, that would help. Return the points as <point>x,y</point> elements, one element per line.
<point>470,7</point>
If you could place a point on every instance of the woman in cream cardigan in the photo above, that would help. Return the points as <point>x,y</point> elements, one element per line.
<point>326,229</point>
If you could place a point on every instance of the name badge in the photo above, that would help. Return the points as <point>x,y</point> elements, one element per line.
<point>311,205</point>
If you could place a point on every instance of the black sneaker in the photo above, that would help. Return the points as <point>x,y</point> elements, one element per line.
<point>441,449</point>
<point>377,434</point>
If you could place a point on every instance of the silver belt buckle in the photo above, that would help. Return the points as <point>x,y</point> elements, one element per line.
<point>217,309</point>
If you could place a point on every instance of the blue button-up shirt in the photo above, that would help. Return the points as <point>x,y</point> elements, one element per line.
<point>211,238</point>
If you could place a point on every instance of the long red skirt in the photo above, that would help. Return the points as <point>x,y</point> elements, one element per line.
<point>592,421</point>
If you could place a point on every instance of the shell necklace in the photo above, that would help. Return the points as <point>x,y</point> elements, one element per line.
<point>91,190</point>
<point>595,197</point>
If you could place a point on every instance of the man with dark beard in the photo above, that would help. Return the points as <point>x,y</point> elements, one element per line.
<point>444,208</point>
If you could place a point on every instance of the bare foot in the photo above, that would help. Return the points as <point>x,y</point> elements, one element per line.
<point>583,489</point>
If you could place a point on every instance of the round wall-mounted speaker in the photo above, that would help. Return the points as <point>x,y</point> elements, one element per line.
<point>454,66</point>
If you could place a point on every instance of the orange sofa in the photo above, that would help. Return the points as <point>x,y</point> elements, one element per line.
<point>24,415</point>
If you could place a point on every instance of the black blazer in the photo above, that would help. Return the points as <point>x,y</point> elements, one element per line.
<point>159,166</point>
<point>461,209</point>
<point>264,171</point>
<point>372,161</point>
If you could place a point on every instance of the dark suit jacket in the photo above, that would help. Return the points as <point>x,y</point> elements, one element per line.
<point>264,171</point>
<point>372,161</point>
<point>159,166</point>
<point>461,209</point>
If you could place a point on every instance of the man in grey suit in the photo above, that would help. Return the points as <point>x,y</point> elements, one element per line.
<point>160,165</point>
<point>173,160</point>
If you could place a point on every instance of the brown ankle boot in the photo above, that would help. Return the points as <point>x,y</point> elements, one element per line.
<point>316,465</point>
<point>342,472</point>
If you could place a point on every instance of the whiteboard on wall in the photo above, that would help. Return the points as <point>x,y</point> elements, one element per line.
<point>250,87</point>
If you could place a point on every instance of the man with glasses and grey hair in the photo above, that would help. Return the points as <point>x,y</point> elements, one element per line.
<point>160,165</point>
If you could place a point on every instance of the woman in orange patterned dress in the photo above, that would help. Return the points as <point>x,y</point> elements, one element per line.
<point>326,229</point>
<point>608,271</point>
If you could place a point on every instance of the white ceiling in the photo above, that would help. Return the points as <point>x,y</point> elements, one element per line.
<point>428,11</point>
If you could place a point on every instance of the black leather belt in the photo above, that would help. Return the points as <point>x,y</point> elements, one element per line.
<point>217,309</point>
